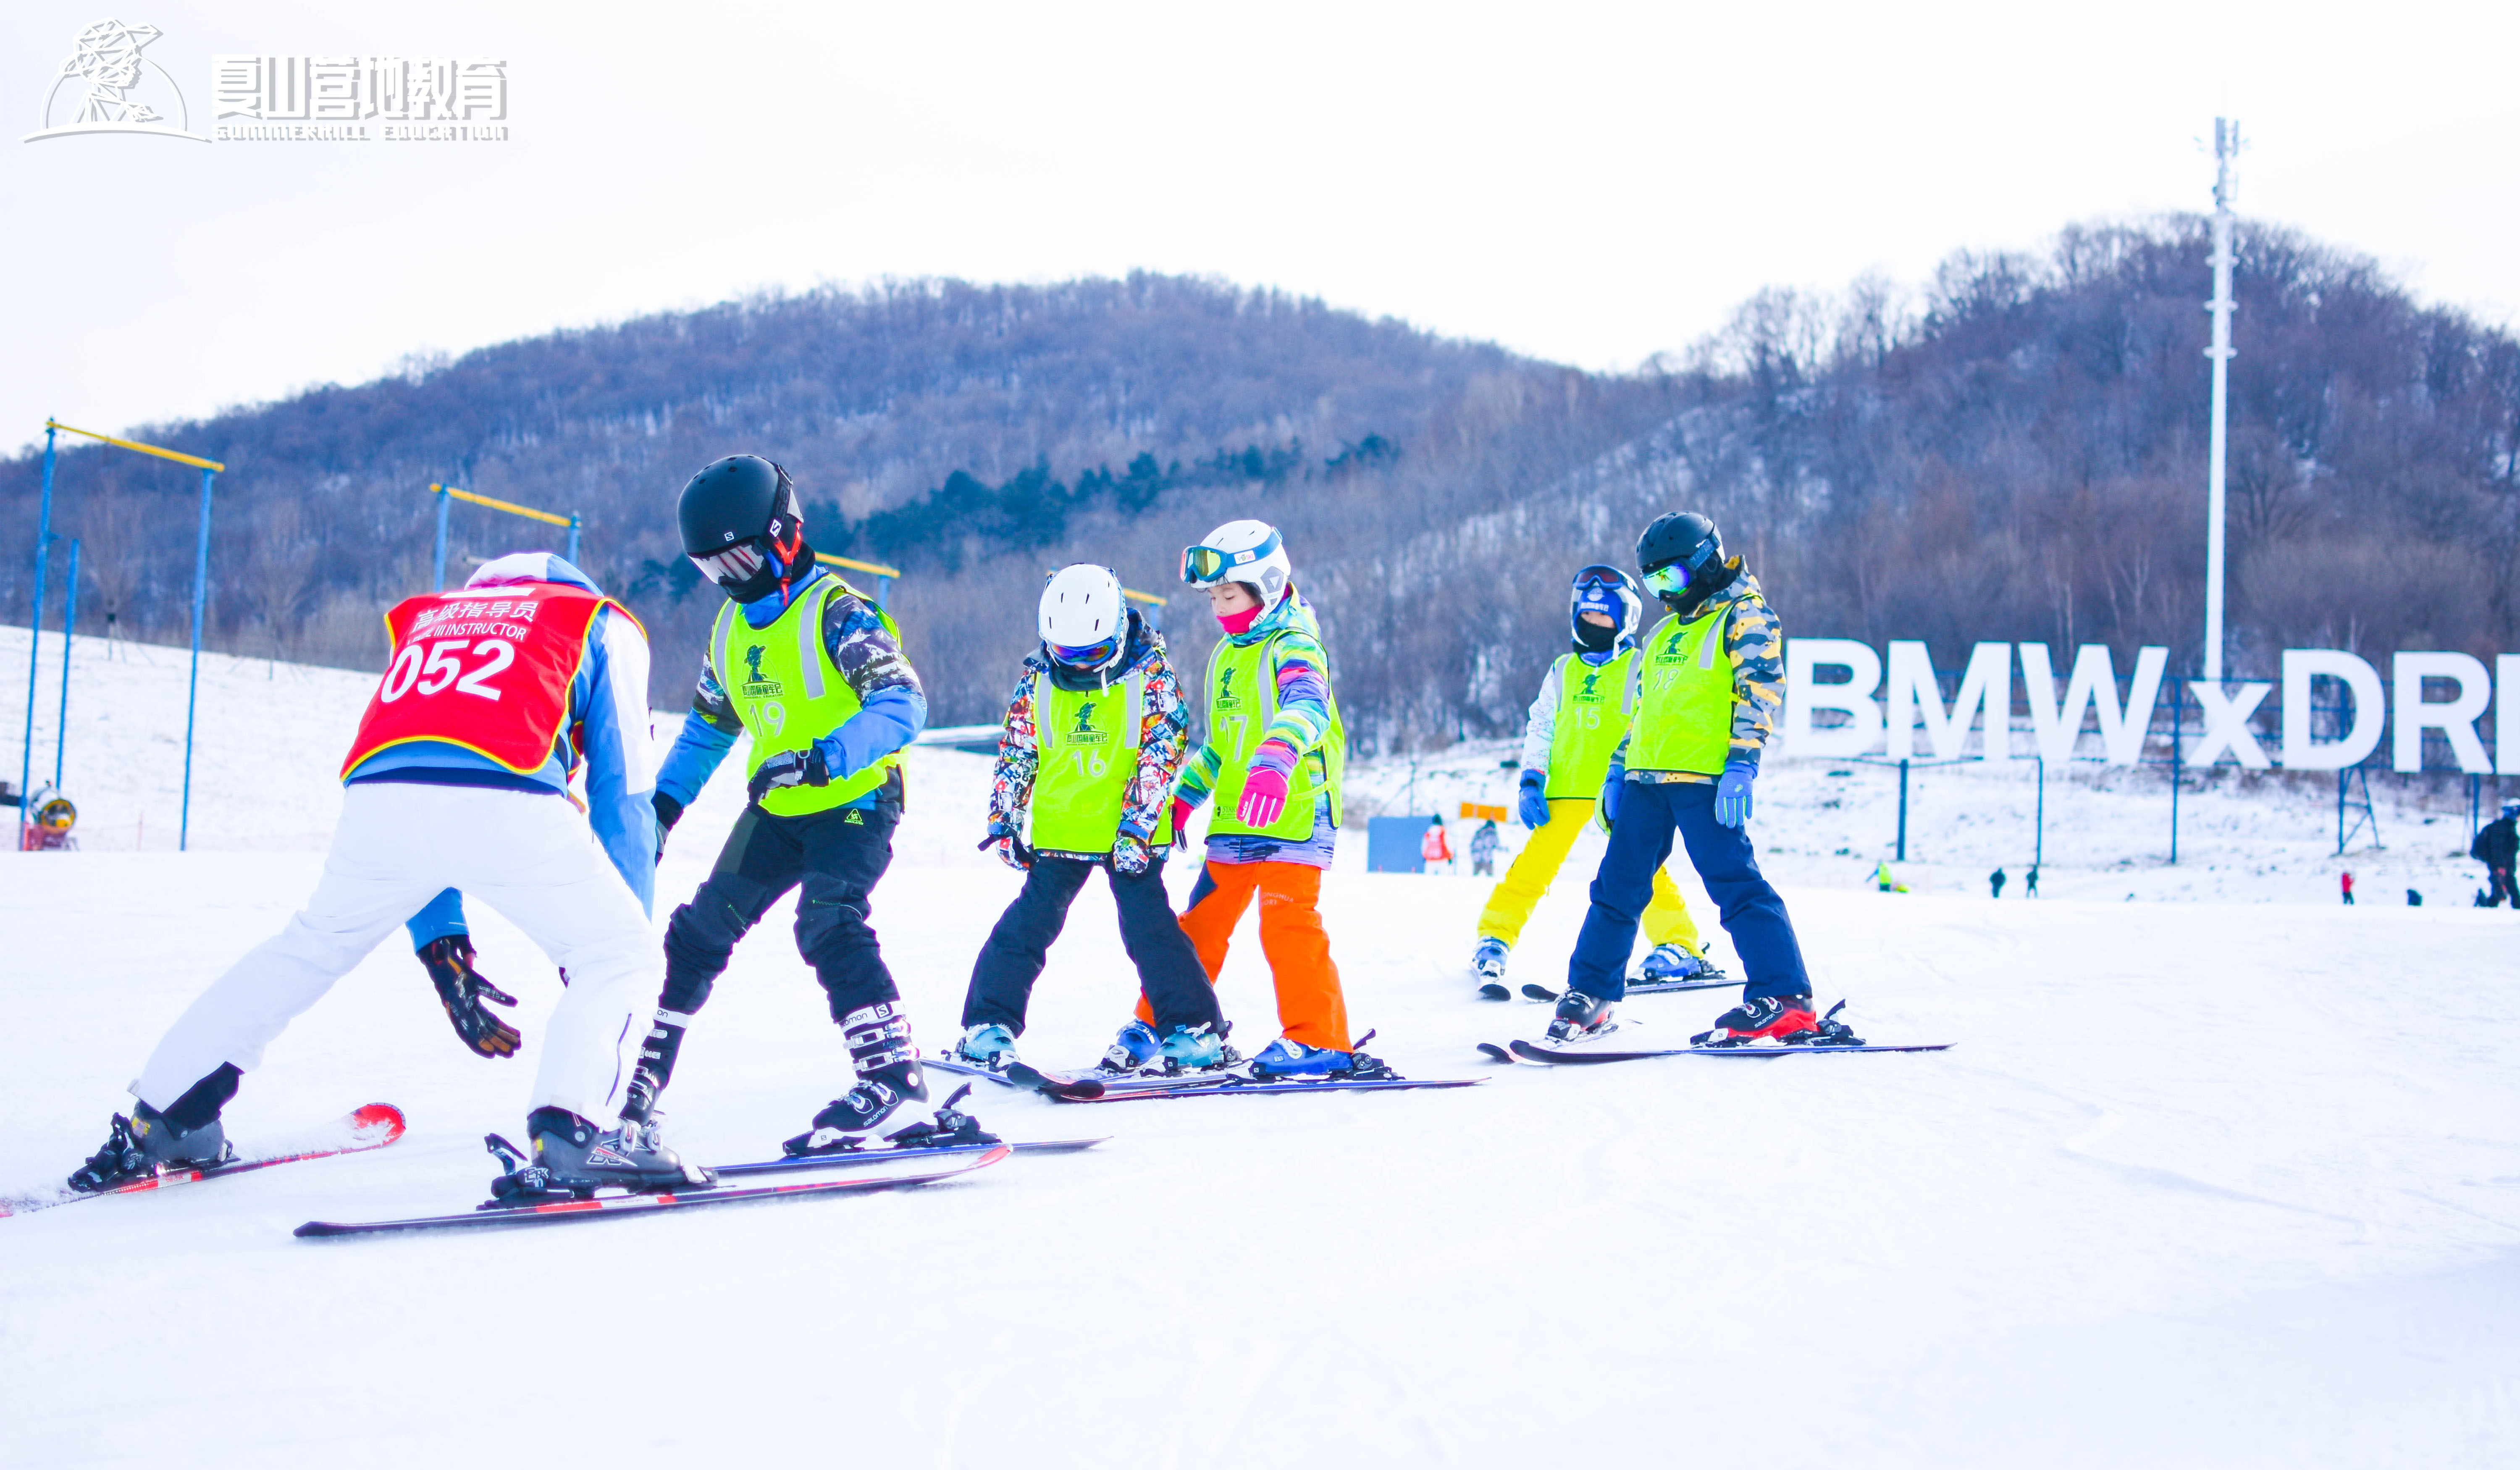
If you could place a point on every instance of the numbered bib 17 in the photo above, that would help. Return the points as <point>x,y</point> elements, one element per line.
<point>486,669</point>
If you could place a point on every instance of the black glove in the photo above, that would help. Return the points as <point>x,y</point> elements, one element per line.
<point>790,768</point>
<point>668,811</point>
<point>463,990</point>
<point>1010,848</point>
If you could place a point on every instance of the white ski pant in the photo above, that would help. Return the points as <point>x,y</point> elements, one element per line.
<point>532,856</point>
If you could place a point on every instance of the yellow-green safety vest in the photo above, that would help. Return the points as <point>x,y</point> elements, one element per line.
<point>1684,707</point>
<point>1087,741</point>
<point>788,695</point>
<point>1241,700</point>
<point>1593,706</point>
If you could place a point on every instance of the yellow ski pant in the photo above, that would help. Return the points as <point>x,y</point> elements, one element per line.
<point>1666,919</point>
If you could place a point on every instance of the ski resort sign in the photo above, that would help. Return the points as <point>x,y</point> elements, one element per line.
<point>1881,705</point>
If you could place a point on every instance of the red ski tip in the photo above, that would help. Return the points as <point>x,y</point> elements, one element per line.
<point>378,1123</point>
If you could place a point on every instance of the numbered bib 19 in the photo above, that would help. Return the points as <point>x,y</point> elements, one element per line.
<point>486,669</point>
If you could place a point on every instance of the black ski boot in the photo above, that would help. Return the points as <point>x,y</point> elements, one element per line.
<point>571,1157</point>
<point>1581,1020</point>
<point>656,1057</point>
<point>143,1145</point>
<point>890,1100</point>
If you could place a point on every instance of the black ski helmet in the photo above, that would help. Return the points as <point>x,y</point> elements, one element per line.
<point>1682,536</point>
<point>746,498</point>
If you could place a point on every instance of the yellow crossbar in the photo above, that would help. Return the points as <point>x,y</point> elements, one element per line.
<point>177,455</point>
<point>527,512</point>
<point>1148,597</point>
<point>870,568</point>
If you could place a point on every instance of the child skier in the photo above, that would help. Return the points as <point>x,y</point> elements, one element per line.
<point>1483,850</point>
<point>459,776</point>
<point>1433,846</point>
<point>1712,681</point>
<point>1576,721</point>
<point>1273,759</point>
<point>1093,737</point>
<point>814,668</point>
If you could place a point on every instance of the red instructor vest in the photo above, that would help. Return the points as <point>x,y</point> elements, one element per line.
<point>488,668</point>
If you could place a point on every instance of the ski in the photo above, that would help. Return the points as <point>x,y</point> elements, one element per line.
<point>796,1162</point>
<point>1245,1084</point>
<point>605,1206</point>
<point>1641,988</point>
<point>1028,1077</point>
<point>1495,1052</point>
<point>1529,1052</point>
<point>356,1132</point>
<point>1493,990</point>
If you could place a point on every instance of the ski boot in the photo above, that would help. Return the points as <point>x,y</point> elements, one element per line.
<point>1488,960</point>
<point>144,1145</point>
<point>657,1057</point>
<point>1195,1049</point>
<point>1137,1047</point>
<point>572,1159</point>
<point>890,1098</point>
<point>1673,962</point>
<point>1580,1020</point>
<point>1785,1020</point>
<point>1288,1057</point>
<point>992,1046</point>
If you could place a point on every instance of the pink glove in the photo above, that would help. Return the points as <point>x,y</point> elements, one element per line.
<point>1264,797</point>
<point>1180,819</point>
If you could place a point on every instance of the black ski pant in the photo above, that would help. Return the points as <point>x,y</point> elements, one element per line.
<point>2498,888</point>
<point>1650,814</point>
<point>1168,969</point>
<point>836,857</point>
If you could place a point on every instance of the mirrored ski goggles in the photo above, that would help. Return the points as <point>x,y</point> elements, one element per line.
<point>733,565</point>
<point>1666,579</point>
<point>1089,656</point>
<point>1205,565</point>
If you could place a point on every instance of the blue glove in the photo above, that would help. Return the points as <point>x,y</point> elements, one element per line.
<point>1532,805</point>
<point>1607,809</point>
<point>1733,791</point>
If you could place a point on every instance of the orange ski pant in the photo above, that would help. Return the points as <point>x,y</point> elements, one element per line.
<point>1311,1007</point>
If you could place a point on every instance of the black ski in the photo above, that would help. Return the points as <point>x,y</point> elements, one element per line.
<point>1494,991</point>
<point>1495,1052</point>
<point>606,1206</point>
<point>1531,1052</point>
<point>1026,1077</point>
<point>1641,988</point>
<point>843,1156</point>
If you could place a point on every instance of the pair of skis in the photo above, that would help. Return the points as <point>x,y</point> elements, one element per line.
<point>1220,1082</point>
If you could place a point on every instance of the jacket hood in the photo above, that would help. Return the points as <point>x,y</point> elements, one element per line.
<point>532,566</point>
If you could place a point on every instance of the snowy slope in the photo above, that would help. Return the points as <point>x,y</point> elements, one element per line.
<point>2200,1185</point>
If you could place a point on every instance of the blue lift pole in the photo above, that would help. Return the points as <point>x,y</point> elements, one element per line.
<point>69,632</point>
<point>574,524</point>
<point>193,687</point>
<point>445,501</point>
<point>35,634</point>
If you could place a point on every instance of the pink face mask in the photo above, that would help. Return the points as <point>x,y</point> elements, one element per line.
<point>1239,622</point>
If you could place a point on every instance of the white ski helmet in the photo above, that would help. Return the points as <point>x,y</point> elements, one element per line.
<point>1084,617</point>
<point>1242,550</point>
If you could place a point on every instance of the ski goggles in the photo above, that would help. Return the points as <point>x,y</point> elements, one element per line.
<point>1666,579</point>
<point>735,563</point>
<point>1207,566</point>
<point>1087,656</point>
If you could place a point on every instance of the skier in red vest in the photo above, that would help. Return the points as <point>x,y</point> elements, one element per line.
<point>458,778</point>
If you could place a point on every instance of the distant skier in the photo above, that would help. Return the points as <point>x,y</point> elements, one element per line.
<point>1575,723</point>
<point>1884,880</point>
<point>2414,900</point>
<point>1713,680</point>
<point>1433,846</point>
<point>1274,753</point>
<point>2497,847</point>
<point>2030,882</point>
<point>1995,882</point>
<point>1094,739</point>
<point>815,670</point>
<point>1483,850</point>
<point>2344,885</point>
<point>459,776</point>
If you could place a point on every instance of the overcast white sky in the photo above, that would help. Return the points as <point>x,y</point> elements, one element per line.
<point>1588,183</point>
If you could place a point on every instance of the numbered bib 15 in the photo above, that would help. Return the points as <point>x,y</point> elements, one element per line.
<point>487,669</point>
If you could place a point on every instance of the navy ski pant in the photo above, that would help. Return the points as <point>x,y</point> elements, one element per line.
<point>1168,969</point>
<point>1649,815</point>
<point>836,857</point>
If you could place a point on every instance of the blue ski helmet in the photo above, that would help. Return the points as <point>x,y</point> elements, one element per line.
<point>1610,592</point>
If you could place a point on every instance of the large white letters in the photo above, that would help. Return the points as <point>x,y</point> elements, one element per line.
<point>2457,719</point>
<point>2300,751</point>
<point>1986,687</point>
<point>1804,695</point>
<point>2094,684</point>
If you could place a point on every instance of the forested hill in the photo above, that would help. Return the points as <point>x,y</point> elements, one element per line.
<point>2013,449</point>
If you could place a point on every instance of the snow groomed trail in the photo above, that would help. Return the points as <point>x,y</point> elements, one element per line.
<point>2209,1184</point>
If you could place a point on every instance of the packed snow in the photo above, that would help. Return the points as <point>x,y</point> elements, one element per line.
<point>2228,1181</point>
